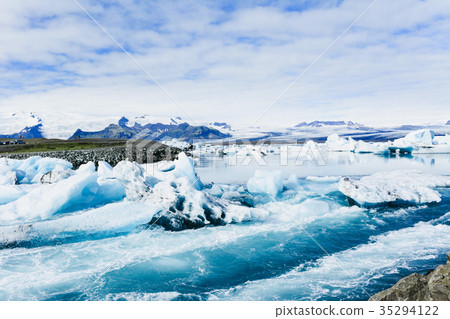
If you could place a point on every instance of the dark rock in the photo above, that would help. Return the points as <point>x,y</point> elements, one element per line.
<point>111,155</point>
<point>157,131</point>
<point>181,215</point>
<point>434,286</point>
<point>56,175</point>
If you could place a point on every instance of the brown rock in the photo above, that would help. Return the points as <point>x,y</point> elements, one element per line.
<point>433,287</point>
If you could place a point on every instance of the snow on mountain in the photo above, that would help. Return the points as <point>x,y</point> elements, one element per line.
<point>64,125</point>
<point>16,122</point>
<point>330,123</point>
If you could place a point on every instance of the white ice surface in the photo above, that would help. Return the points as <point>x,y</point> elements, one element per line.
<point>385,187</point>
<point>266,182</point>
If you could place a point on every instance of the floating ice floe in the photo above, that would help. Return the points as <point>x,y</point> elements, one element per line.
<point>105,170</point>
<point>174,193</point>
<point>420,142</point>
<point>132,176</point>
<point>324,179</point>
<point>184,167</point>
<point>266,182</point>
<point>292,183</point>
<point>9,178</point>
<point>75,193</point>
<point>413,141</point>
<point>372,147</point>
<point>393,187</point>
<point>338,144</point>
<point>32,169</point>
<point>10,193</point>
<point>176,143</point>
<point>57,174</point>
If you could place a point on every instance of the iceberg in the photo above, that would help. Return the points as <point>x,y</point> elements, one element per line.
<point>393,187</point>
<point>371,147</point>
<point>324,179</point>
<point>442,140</point>
<point>184,167</point>
<point>266,182</point>
<point>108,219</point>
<point>131,176</point>
<point>87,168</point>
<point>338,144</point>
<point>57,174</point>
<point>441,145</point>
<point>75,193</point>
<point>10,193</point>
<point>292,183</point>
<point>105,170</point>
<point>9,178</point>
<point>185,207</point>
<point>32,169</point>
<point>413,141</point>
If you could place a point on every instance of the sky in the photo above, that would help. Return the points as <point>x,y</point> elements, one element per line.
<point>229,61</point>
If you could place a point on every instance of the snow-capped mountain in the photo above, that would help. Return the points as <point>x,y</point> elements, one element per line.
<point>71,125</point>
<point>330,123</point>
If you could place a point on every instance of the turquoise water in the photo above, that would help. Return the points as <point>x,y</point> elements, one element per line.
<point>312,246</point>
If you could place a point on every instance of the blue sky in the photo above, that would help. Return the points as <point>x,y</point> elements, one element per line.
<point>229,60</point>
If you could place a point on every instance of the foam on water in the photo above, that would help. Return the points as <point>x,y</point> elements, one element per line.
<point>41,272</point>
<point>337,275</point>
<point>87,236</point>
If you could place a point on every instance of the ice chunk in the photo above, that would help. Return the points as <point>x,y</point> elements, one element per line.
<point>75,193</point>
<point>184,207</point>
<point>32,169</point>
<point>441,145</point>
<point>413,141</point>
<point>87,168</point>
<point>442,140</point>
<point>57,174</point>
<point>113,217</point>
<point>390,187</point>
<point>420,137</point>
<point>265,182</point>
<point>131,176</point>
<point>371,147</point>
<point>292,183</point>
<point>9,193</point>
<point>338,144</point>
<point>105,170</point>
<point>184,167</point>
<point>324,179</point>
<point>9,178</point>
<point>215,190</point>
<point>435,149</point>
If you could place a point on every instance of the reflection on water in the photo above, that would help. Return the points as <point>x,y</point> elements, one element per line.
<point>223,169</point>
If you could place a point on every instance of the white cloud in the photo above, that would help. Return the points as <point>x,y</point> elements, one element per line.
<point>229,64</point>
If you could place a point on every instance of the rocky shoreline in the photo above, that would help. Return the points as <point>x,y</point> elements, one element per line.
<point>435,286</point>
<point>111,155</point>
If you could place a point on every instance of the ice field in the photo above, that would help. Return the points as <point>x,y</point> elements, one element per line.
<point>220,227</point>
